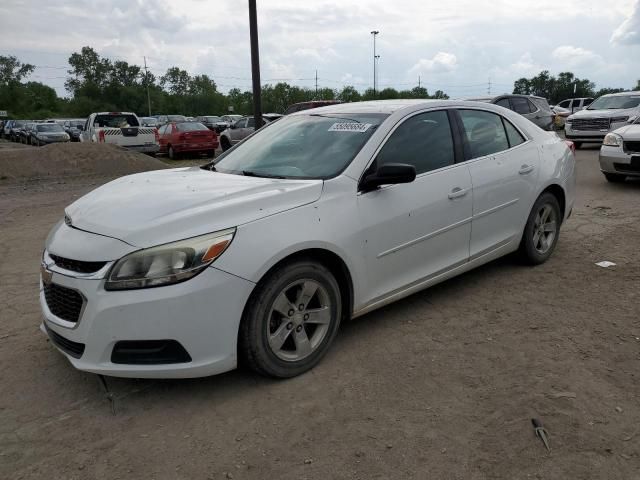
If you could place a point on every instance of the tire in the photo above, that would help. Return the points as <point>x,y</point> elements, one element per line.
<point>276,337</point>
<point>225,144</point>
<point>577,145</point>
<point>172,154</point>
<point>542,230</point>
<point>614,177</point>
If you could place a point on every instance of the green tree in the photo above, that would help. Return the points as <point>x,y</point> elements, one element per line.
<point>349,94</point>
<point>13,71</point>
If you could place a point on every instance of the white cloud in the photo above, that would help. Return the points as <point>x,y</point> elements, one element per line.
<point>629,31</point>
<point>577,56</point>
<point>441,62</point>
<point>525,65</point>
<point>349,79</point>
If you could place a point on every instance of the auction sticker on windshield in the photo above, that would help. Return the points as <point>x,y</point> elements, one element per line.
<point>349,127</point>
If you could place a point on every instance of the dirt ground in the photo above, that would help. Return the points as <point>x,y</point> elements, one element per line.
<point>441,385</point>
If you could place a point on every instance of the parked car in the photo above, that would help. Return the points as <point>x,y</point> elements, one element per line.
<point>575,104</point>
<point>213,122</point>
<point>164,119</point>
<point>74,127</point>
<point>314,220</point>
<point>238,131</point>
<point>298,107</point>
<point>605,114</point>
<point>7,128</point>
<point>15,133</point>
<point>227,121</point>
<point>46,133</point>
<point>120,128</point>
<point>182,137</point>
<point>620,153</point>
<point>148,121</point>
<point>536,109</point>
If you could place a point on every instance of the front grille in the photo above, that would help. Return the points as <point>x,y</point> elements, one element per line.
<point>77,265</point>
<point>63,302</point>
<point>72,348</point>
<point>590,124</point>
<point>627,167</point>
<point>633,147</point>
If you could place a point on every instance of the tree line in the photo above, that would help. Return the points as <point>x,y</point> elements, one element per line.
<point>96,83</point>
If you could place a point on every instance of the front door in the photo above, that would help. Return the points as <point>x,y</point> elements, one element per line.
<point>414,231</point>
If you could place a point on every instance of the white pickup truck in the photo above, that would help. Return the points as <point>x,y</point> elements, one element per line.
<point>120,128</point>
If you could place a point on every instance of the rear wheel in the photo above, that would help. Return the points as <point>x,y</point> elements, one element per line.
<point>225,144</point>
<point>542,230</point>
<point>172,153</point>
<point>290,320</point>
<point>614,177</point>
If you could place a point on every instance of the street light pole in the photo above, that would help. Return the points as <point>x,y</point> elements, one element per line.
<point>255,65</point>
<point>374,33</point>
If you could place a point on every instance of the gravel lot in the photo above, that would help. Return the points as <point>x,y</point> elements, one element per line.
<point>440,385</point>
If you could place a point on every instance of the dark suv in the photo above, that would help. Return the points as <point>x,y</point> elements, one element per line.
<point>536,109</point>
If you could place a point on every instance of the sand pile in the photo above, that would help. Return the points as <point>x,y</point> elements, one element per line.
<point>71,160</point>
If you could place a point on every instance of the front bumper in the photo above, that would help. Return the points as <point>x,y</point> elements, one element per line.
<point>47,141</point>
<point>615,160</point>
<point>202,314</point>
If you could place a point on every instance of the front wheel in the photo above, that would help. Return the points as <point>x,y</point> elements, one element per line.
<point>614,177</point>
<point>290,320</point>
<point>542,230</point>
<point>225,144</point>
<point>172,153</point>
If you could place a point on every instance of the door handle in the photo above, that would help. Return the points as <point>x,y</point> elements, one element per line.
<point>457,193</point>
<point>524,169</point>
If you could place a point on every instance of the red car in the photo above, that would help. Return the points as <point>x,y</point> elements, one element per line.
<point>182,137</point>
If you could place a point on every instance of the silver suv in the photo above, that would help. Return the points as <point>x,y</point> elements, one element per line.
<point>605,114</point>
<point>536,109</point>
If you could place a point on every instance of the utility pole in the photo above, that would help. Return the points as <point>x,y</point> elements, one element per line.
<point>316,84</point>
<point>419,84</point>
<point>489,87</point>
<point>255,65</point>
<point>146,80</point>
<point>374,33</point>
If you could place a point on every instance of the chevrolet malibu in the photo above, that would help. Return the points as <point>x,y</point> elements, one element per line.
<point>320,217</point>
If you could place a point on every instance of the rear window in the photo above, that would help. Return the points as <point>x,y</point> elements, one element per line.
<point>177,118</point>
<point>190,127</point>
<point>116,121</point>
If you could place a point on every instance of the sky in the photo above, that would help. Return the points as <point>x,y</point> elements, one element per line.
<point>464,47</point>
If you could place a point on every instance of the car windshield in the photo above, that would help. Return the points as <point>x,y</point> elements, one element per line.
<point>76,124</point>
<point>211,119</point>
<point>191,127</point>
<point>615,102</point>
<point>19,123</point>
<point>302,146</point>
<point>176,118</point>
<point>116,120</point>
<point>49,128</point>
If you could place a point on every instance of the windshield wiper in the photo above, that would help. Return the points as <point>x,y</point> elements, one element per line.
<point>250,173</point>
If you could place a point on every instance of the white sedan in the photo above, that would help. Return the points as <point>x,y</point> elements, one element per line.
<point>322,216</point>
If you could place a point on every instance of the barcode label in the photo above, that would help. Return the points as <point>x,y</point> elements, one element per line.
<point>349,127</point>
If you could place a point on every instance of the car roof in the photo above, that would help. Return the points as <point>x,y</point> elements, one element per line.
<point>623,94</point>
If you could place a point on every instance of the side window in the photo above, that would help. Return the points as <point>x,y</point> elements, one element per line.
<point>520,105</point>
<point>163,130</point>
<point>532,106</point>
<point>514,136</point>
<point>484,131</point>
<point>251,122</point>
<point>587,102</point>
<point>575,105</point>
<point>424,141</point>
<point>241,123</point>
<point>564,103</point>
<point>504,102</point>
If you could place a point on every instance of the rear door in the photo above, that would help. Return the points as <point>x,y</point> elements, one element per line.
<point>237,133</point>
<point>412,232</point>
<point>504,167</point>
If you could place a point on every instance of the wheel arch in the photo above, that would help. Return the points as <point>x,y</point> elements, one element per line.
<point>557,191</point>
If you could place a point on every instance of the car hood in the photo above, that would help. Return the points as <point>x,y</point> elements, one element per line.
<point>629,132</point>
<point>162,206</point>
<point>618,112</point>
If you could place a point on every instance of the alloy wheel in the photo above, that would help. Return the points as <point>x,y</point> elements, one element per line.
<point>545,228</point>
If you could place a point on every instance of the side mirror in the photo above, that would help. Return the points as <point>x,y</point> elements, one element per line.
<point>389,174</point>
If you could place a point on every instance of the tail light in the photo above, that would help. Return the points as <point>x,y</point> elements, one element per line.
<point>101,136</point>
<point>571,145</point>
<point>155,132</point>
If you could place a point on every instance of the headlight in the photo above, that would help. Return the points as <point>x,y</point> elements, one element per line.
<point>612,140</point>
<point>168,264</point>
<point>619,119</point>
